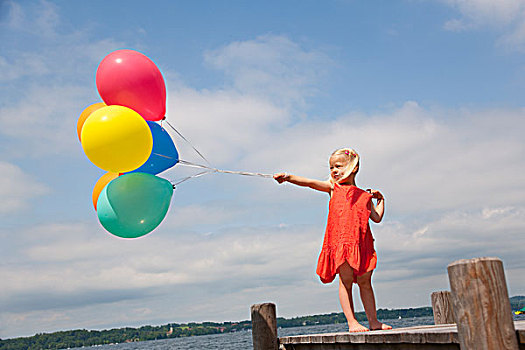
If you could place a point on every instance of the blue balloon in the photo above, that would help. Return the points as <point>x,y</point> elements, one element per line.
<point>164,154</point>
<point>134,204</point>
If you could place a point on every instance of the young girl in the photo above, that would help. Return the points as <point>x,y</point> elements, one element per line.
<point>348,247</point>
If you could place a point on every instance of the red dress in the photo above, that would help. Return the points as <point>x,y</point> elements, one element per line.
<point>348,236</point>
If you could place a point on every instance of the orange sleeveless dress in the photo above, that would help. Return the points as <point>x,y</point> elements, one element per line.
<point>348,236</point>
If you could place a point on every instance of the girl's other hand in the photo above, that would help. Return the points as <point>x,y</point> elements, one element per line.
<point>281,177</point>
<point>375,194</point>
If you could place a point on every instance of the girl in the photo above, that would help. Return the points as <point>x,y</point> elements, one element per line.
<point>348,247</point>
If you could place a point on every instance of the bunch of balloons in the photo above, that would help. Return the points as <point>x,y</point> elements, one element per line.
<point>121,136</point>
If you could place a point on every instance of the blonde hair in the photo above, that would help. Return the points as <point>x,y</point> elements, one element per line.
<point>352,160</point>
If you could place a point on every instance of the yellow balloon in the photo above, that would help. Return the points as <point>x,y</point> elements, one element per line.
<point>116,139</point>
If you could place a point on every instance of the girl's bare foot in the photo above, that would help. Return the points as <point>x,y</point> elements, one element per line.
<point>378,326</point>
<point>357,327</point>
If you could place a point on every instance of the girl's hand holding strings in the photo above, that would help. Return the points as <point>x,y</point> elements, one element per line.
<point>281,177</point>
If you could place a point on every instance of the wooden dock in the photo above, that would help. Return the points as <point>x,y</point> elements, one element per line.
<point>434,337</point>
<point>474,315</point>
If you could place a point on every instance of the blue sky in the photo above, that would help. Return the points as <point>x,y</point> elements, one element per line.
<point>428,92</point>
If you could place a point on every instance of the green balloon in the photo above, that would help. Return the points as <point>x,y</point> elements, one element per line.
<point>134,204</point>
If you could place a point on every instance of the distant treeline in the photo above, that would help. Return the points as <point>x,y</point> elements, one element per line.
<point>517,302</point>
<point>82,337</point>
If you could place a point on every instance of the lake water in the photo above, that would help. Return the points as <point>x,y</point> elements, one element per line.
<point>243,340</point>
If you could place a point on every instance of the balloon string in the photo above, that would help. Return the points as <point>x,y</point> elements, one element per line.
<point>193,165</point>
<point>245,173</point>
<point>215,170</point>
<point>209,168</point>
<point>188,142</point>
<point>189,177</point>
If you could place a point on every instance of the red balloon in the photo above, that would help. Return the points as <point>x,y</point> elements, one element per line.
<point>129,78</point>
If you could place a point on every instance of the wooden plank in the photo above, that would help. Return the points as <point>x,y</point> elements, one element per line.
<point>481,305</point>
<point>416,335</point>
<point>520,330</point>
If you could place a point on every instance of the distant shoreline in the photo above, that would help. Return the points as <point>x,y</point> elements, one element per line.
<point>82,337</point>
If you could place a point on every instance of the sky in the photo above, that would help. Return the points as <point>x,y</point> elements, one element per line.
<point>429,93</point>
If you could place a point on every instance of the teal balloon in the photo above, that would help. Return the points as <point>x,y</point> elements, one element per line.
<point>134,204</point>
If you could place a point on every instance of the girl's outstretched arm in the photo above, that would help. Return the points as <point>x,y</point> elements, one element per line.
<point>377,211</point>
<point>323,186</point>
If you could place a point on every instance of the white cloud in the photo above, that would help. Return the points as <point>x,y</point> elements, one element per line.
<point>17,189</point>
<point>224,124</point>
<point>454,235</point>
<point>48,82</point>
<point>423,159</point>
<point>488,12</point>
<point>505,16</point>
<point>43,17</point>
<point>27,64</point>
<point>213,214</point>
<point>45,122</point>
<point>94,268</point>
<point>272,66</point>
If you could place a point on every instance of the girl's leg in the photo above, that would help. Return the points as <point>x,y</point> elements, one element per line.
<point>369,302</point>
<point>346,279</point>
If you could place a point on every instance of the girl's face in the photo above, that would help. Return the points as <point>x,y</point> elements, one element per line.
<point>338,165</point>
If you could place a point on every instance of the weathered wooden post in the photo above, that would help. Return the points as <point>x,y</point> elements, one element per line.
<point>481,305</point>
<point>264,327</point>
<point>442,307</point>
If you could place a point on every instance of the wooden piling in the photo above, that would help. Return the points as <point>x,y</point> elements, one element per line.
<point>442,307</point>
<point>264,327</point>
<point>481,305</point>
